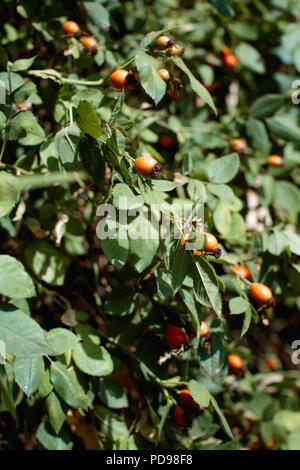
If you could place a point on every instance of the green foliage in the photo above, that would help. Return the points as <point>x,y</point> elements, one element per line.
<point>84,360</point>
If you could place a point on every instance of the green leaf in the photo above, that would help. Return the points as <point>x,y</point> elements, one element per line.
<point>21,335</point>
<point>246,321</point>
<point>67,140</point>
<point>196,86</point>
<point>124,198</point>
<point>196,191</point>
<point>56,411</point>
<point>266,105</point>
<point>238,305</point>
<point>257,132</point>
<point>92,95</point>
<point>93,359</point>
<point>223,420</point>
<point>206,286</point>
<point>29,373</point>
<point>120,302</point>
<point>285,127</point>
<point>24,92</point>
<point>46,262</point>
<point>144,242</point>
<point>45,386</point>
<point>199,393</point>
<point>190,303</point>
<point>21,64</point>
<point>112,425</point>
<point>116,249</point>
<point>222,7</point>
<point>237,228</point>
<point>50,441</point>
<point>293,239</point>
<point>250,58</point>
<point>99,15</point>
<point>276,243</point>
<point>14,280</point>
<point>92,159</point>
<point>223,191</point>
<point>112,394</point>
<point>25,128</point>
<point>161,185</point>
<point>164,282</point>
<point>60,341</point>
<point>152,83</point>
<point>9,193</point>
<point>181,264</point>
<point>224,169</point>
<point>222,217</point>
<point>67,385</point>
<point>87,119</point>
<point>287,196</point>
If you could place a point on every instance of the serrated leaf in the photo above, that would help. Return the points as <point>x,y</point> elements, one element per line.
<point>9,193</point>
<point>223,191</point>
<point>224,169</point>
<point>222,7</point>
<point>21,64</point>
<point>246,322</point>
<point>21,335</point>
<point>223,420</point>
<point>250,57</point>
<point>266,105</point>
<point>15,282</point>
<point>285,127</point>
<point>66,141</point>
<point>87,119</point>
<point>67,386</point>
<point>92,159</point>
<point>112,394</point>
<point>92,359</point>
<point>29,373</point>
<point>180,267</point>
<point>287,196</point>
<point>238,305</point>
<point>60,341</point>
<point>152,83</point>
<point>199,393</point>
<point>50,441</point>
<point>206,286</point>
<point>56,411</point>
<point>197,87</point>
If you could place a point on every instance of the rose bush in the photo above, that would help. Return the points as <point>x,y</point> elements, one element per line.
<point>100,335</point>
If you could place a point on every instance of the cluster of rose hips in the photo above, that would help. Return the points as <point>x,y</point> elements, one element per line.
<point>72,29</point>
<point>164,43</point>
<point>211,247</point>
<point>122,78</point>
<point>239,147</point>
<point>229,60</point>
<point>176,338</point>
<point>189,409</point>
